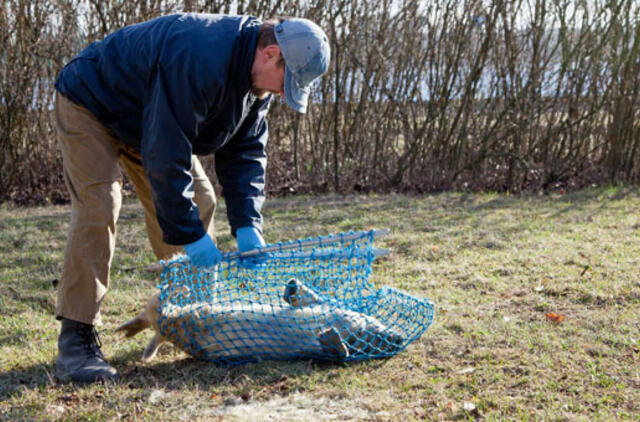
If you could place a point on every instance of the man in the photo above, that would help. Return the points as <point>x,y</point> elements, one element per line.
<point>151,97</point>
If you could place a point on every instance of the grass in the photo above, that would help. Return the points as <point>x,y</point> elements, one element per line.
<point>493,264</point>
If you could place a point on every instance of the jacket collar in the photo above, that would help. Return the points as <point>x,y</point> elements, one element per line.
<point>243,54</point>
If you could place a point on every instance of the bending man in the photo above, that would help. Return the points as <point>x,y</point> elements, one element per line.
<point>151,97</point>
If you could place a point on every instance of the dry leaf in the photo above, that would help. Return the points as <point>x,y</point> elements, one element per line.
<point>554,317</point>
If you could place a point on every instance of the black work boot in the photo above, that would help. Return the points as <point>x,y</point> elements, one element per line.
<point>79,356</point>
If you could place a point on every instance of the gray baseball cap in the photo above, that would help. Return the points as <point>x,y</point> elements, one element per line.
<point>306,52</point>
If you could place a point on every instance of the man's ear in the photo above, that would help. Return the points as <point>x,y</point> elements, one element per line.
<point>271,51</point>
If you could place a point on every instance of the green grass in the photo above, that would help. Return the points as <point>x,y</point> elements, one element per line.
<point>492,264</point>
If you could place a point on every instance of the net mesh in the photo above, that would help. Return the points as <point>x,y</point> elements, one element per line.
<point>308,298</point>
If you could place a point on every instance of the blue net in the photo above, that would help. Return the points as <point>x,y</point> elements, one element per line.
<point>308,298</point>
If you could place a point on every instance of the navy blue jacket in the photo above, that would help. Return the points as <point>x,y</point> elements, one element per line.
<point>172,87</point>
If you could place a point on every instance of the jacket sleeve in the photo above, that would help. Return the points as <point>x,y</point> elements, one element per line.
<point>241,166</point>
<point>174,107</point>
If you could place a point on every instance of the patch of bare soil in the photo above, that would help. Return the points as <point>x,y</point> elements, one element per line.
<point>294,407</point>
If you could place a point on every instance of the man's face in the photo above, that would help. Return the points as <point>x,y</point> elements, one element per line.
<point>267,74</point>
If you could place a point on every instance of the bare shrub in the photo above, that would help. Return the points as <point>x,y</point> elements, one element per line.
<point>422,95</point>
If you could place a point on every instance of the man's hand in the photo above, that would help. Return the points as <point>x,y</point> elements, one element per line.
<point>203,252</point>
<point>250,238</point>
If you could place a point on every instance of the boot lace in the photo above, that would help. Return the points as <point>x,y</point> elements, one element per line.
<point>92,343</point>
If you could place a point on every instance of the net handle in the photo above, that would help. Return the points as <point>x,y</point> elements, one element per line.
<point>306,243</point>
<point>331,254</point>
<point>160,266</point>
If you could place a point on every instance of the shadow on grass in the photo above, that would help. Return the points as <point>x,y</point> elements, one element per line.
<point>15,381</point>
<point>180,374</point>
<point>189,373</point>
<point>578,200</point>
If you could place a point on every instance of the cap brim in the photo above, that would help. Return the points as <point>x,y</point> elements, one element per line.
<point>296,97</point>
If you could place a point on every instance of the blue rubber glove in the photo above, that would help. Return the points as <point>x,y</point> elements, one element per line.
<point>203,252</point>
<point>250,238</point>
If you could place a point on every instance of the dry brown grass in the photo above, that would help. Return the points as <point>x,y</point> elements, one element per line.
<point>494,265</point>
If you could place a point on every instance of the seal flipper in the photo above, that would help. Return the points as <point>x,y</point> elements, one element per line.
<point>332,344</point>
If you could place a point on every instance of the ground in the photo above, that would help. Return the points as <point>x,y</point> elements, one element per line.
<point>537,303</point>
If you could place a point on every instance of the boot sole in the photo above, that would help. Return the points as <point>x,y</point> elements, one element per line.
<point>65,377</point>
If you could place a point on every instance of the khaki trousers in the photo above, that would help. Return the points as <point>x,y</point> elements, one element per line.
<point>90,157</point>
